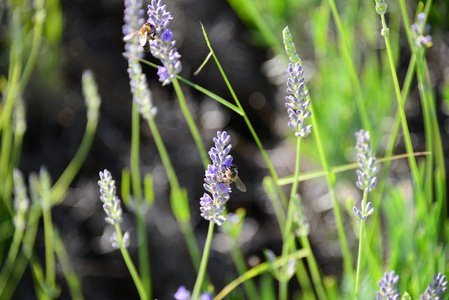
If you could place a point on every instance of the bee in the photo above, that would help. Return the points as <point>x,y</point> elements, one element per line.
<point>146,34</point>
<point>231,175</point>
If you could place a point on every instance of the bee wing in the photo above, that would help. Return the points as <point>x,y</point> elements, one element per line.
<point>130,36</point>
<point>143,39</point>
<point>240,185</point>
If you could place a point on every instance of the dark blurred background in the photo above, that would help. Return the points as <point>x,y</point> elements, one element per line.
<point>91,39</point>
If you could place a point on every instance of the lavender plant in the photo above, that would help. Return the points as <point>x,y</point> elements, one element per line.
<point>366,182</point>
<point>113,210</point>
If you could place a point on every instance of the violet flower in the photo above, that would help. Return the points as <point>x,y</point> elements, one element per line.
<point>162,46</point>
<point>388,287</point>
<point>212,206</point>
<point>420,32</point>
<point>296,103</point>
<point>436,288</point>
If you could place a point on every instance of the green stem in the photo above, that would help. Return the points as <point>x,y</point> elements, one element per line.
<point>203,265</point>
<point>10,283</point>
<point>240,265</point>
<point>361,245</point>
<point>60,187</point>
<point>314,271</point>
<point>49,246</point>
<point>11,257</point>
<point>428,128</point>
<point>171,174</point>
<point>73,281</point>
<point>330,177</point>
<point>174,183</point>
<point>142,249</point>
<point>294,189</point>
<point>407,139</point>
<point>259,269</point>
<point>191,123</point>
<point>129,263</point>
<point>39,18</point>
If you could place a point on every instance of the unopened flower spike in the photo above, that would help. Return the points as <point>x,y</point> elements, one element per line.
<point>212,204</point>
<point>388,287</point>
<point>21,200</point>
<point>138,82</point>
<point>420,32</point>
<point>365,175</point>
<point>162,46</point>
<point>436,288</point>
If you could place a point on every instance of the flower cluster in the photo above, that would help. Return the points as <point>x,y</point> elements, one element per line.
<point>111,203</point>
<point>162,46</point>
<point>420,32</point>
<point>138,82</point>
<point>388,287</point>
<point>436,288</point>
<point>183,294</point>
<point>212,206</point>
<point>365,157</point>
<point>366,179</point>
<point>296,103</point>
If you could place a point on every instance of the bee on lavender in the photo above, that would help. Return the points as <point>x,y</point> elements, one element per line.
<point>146,34</point>
<point>230,175</point>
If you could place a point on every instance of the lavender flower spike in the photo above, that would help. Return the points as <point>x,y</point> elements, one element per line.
<point>111,203</point>
<point>138,82</point>
<point>388,287</point>
<point>365,157</point>
<point>296,103</point>
<point>436,288</point>
<point>420,32</point>
<point>212,206</point>
<point>162,46</point>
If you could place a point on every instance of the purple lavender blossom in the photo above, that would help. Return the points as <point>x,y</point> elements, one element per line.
<point>388,287</point>
<point>420,32</point>
<point>297,107</point>
<point>365,157</point>
<point>162,46</point>
<point>184,294</point>
<point>138,82</point>
<point>212,206</point>
<point>436,288</point>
